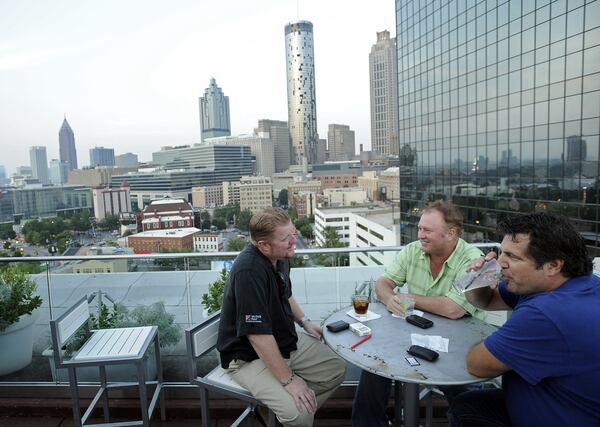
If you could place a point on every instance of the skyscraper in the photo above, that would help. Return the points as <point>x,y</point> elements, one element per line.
<point>280,135</point>
<point>340,142</point>
<point>214,112</point>
<point>66,143</point>
<point>301,94</point>
<point>59,171</point>
<point>383,78</point>
<point>100,156</point>
<point>39,164</point>
<point>495,101</point>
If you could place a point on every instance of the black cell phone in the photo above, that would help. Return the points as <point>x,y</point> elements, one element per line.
<point>419,321</point>
<point>338,326</point>
<point>423,353</point>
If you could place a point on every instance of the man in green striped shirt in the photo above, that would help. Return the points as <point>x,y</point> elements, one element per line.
<point>428,266</point>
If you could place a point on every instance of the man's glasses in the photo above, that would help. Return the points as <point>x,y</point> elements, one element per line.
<point>287,238</point>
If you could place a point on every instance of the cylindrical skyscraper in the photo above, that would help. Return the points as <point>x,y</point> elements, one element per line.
<point>302,101</point>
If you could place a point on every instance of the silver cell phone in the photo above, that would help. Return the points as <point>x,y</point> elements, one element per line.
<point>412,361</point>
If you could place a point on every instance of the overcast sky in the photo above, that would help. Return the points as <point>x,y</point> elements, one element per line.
<point>128,73</point>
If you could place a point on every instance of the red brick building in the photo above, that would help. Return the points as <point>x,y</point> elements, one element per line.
<point>166,214</point>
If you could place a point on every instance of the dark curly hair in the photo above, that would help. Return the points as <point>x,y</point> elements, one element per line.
<point>551,237</point>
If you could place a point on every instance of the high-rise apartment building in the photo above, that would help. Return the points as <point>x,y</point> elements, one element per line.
<point>256,193</point>
<point>66,145</point>
<point>279,133</point>
<point>490,95</point>
<point>100,156</point>
<point>214,112</point>
<point>301,93</point>
<point>383,78</point>
<point>39,164</point>
<point>261,147</point>
<point>127,160</point>
<point>59,171</point>
<point>340,142</point>
<point>3,179</point>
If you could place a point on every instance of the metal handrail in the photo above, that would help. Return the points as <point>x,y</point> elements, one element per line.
<point>184,255</point>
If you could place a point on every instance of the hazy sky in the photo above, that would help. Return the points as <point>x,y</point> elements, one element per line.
<point>128,73</point>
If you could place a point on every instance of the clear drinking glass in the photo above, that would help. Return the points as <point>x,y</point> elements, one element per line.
<point>360,304</point>
<point>488,274</point>
<point>407,304</point>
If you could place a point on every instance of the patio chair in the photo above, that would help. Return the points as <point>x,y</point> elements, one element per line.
<point>107,347</point>
<point>201,339</point>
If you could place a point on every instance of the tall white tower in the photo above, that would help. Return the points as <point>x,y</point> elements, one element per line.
<point>383,76</point>
<point>214,112</point>
<point>301,94</point>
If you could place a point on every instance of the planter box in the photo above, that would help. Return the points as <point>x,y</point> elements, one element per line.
<point>114,373</point>
<point>16,344</point>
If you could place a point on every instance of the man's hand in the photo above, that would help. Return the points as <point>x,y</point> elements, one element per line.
<point>478,263</point>
<point>392,303</point>
<point>302,394</point>
<point>313,329</point>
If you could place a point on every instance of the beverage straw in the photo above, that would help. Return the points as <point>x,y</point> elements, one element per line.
<point>368,337</point>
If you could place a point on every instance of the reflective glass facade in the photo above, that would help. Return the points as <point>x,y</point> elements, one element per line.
<point>499,105</point>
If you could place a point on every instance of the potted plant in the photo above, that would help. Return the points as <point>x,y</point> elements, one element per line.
<point>118,316</point>
<point>17,304</point>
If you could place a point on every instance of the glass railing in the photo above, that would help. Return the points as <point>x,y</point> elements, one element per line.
<point>168,289</point>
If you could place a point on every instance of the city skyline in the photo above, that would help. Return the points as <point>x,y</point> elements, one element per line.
<point>131,80</point>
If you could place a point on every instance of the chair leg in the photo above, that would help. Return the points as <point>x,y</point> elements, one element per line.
<point>204,407</point>
<point>74,396</point>
<point>163,407</point>
<point>105,394</point>
<point>143,392</point>
<point>398,402</point>
<point>272,419</point>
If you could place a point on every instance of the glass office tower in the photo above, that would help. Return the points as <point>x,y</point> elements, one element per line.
<point>499,106</point>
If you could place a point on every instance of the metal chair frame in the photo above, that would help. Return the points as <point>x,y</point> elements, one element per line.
<point>200,340</point>
<point>97,352</point>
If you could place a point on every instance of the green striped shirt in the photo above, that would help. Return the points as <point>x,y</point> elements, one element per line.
<point>411,266</point>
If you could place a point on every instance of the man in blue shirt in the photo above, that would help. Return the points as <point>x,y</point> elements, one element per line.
<point>548,349</point>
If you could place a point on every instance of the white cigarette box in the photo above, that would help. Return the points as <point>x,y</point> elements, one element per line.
<point>360,329</point>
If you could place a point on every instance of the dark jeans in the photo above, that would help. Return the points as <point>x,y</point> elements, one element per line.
<point>480,408</point>
<point>371,400</point>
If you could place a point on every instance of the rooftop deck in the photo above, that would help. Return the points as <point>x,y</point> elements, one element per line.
<point>37,395</point>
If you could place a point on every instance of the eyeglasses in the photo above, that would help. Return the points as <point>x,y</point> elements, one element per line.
<point>287,238</point>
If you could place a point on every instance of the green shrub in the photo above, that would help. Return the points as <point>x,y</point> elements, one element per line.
<point>213,299</point>
<point>16,296</point>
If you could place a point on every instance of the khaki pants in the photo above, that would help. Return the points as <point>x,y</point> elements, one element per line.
<point>321,369</point>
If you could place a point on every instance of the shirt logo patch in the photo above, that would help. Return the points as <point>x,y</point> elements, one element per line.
<point>253,318</point>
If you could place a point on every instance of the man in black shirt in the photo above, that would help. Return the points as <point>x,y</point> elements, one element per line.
<point>293,375</point>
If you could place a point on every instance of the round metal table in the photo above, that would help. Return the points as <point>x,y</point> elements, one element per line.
<point>384,354</point>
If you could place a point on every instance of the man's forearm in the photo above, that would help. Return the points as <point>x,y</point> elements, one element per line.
<point>384,288</point>
<point>487,299</point>
<point>480,297</point>
<point>266,348</point>
<point>442,306</point>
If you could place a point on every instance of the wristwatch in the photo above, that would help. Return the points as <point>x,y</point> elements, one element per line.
<point>301,321</point>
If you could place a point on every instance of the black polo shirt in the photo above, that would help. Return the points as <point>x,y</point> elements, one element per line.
<point>255,301</point>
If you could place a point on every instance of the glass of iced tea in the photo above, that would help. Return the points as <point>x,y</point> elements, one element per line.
<point>360,304</point>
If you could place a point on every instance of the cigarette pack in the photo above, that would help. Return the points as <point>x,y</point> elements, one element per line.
<point>360,329</point>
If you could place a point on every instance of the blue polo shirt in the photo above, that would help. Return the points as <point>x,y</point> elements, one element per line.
<point>552,345</point>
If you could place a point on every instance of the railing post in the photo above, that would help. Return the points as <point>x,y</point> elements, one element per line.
<point>188,289</point>
<point>50,305</point>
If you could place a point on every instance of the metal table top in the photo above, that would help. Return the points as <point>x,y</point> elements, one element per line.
<point>384,354</point>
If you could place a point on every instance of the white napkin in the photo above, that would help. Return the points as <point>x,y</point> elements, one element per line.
<point>433,342</point>
<point>370,315</point>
